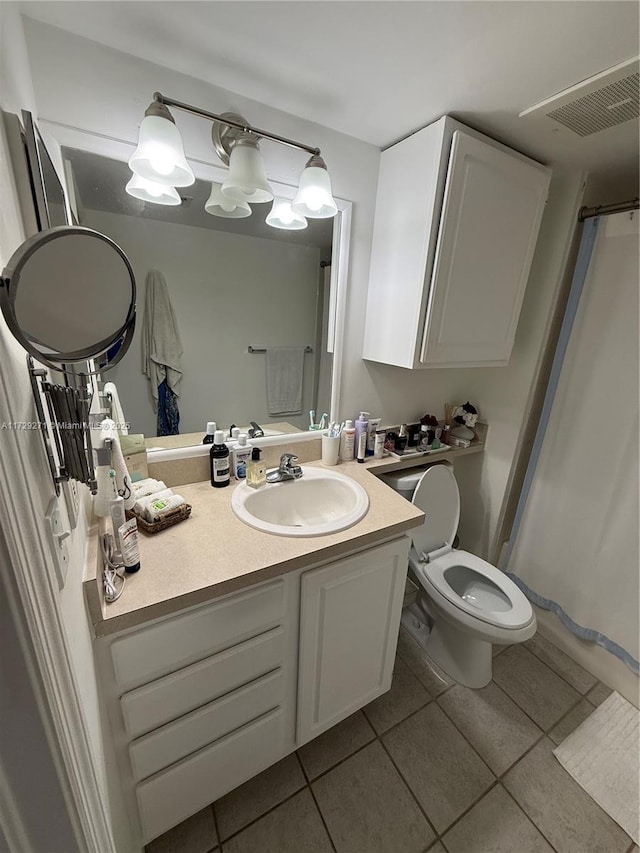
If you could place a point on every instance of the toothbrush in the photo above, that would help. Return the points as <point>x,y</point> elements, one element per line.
<point>323,420</point>
<point>312,417</point>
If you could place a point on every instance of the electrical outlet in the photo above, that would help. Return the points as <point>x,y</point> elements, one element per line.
<point>58,540</point>
<point>72,500</point>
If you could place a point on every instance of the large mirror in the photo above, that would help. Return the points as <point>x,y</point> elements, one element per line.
<point>225,291</point>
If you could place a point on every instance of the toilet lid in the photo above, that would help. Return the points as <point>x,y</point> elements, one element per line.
<point>438,497</point>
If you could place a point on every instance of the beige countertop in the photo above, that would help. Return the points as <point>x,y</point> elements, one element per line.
<point>213,553</point>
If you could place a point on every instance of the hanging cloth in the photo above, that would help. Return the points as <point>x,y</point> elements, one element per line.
<point>161,349</point>
<point>576,527</point>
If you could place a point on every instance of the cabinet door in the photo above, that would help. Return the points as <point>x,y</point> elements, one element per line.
<point>349,621</point>
<point>491,215</point>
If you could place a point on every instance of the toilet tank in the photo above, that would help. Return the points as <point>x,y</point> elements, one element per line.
<point>405,481</point>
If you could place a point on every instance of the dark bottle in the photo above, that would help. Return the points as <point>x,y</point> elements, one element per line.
<point>210,434</point>
<point>219,456</point>
<point>401,440</point>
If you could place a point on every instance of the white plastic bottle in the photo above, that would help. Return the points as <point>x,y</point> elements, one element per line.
<point>362,426</point>
<point>240,457</point>
<point>347,442</point>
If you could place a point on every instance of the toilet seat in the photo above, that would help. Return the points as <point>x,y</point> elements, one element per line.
<point>475,588</point>
<point>491,596</point>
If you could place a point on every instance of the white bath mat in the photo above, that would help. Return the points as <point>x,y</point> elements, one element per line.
<point>603,756</point>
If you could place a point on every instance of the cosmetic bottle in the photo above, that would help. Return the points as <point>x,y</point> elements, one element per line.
<point>210,433</point>
<point>240,457</point>
<point>378,446</point>
<point>374,423</point>
<point>361,446</point>
<point>347,442</point>
<point>219,459</point>
<point>401,440</point>
<point>362,426</point>
<point>256,470</point>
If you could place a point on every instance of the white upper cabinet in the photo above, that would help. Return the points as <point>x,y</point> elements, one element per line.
<point>457,219</point>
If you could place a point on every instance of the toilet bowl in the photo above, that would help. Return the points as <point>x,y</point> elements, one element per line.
<point>466,604</point>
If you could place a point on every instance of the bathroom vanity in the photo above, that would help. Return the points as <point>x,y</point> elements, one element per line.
<point>232,647</point>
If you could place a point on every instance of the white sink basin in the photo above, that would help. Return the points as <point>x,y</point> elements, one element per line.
<point>320,502</point>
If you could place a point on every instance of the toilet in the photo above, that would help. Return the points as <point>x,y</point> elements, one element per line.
<point>464,604</point>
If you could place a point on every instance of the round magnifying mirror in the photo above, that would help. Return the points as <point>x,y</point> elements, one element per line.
<point>69,295</point>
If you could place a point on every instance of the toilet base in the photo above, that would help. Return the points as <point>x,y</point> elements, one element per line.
<point>464,658</point>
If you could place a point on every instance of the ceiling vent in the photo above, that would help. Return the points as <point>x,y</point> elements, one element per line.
<point>604,100</point>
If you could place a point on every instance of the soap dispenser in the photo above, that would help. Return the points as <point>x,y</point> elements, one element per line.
<point>256,470</point>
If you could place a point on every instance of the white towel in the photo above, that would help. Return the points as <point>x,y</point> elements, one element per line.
<point>116,408</point>
<point>285,369</point>
<point>161,346</point>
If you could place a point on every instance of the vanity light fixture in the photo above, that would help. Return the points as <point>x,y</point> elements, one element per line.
<point>282,216</point>
<point>219,204</point>
<point>314,198</point>
<point>152,192</point>
<point>160,157</point>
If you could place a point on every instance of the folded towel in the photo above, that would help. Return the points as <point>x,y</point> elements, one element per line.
<point>142,505</point>
<point>161,506</point>
<point>285,369</point>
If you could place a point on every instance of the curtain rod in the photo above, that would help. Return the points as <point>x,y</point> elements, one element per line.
<point>607,209</point>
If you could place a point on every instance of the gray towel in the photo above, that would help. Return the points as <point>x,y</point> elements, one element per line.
<point>161,346</point>
<point>285,368</point>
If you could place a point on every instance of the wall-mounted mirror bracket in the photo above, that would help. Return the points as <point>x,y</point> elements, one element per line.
<point>63,421</point>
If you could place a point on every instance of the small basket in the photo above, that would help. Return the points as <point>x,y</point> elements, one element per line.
<point>174,516</point>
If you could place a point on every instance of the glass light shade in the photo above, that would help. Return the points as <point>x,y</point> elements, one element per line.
<point>220,205</point>
<point>247,179</point>
<point>150,191</point>
<point>314,198</point>
<point>160,156</point>
<point>281,216</point>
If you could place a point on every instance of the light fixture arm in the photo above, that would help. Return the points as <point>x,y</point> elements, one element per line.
<point>225,119</point>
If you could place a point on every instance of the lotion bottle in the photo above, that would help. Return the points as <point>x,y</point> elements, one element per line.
<point>240,457</point>
<point>362,426</point>
<point>219,458</point>
<point>347,442</point>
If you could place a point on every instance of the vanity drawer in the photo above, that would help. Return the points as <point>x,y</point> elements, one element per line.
<point>151,652</point>
<point>170,796</point>
<point>169,744</point>
<point>152,705</point>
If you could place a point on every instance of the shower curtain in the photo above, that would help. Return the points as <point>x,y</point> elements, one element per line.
<point>575,537</point>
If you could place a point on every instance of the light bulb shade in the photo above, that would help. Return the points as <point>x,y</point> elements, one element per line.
<point>220,205</point>
<point>314,198</point>
<point>150,191</point>
<point>247,179</point>
<point>160,156</point>
<point>282,216</point>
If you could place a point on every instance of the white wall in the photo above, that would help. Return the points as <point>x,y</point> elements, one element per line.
<point>228,291</point>
<point>16,404</point>
<point>106,92</point>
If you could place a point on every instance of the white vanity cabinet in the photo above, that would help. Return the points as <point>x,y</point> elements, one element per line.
<point>349,621</point>
<point>456,224</point>
<point>202,700</point>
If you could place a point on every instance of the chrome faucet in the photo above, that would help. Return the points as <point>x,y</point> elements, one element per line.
<point>286,470</point>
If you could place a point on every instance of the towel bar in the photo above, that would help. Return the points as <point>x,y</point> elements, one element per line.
<point>264,349</point>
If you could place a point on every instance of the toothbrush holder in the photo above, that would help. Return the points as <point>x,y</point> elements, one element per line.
<point>330,448</point>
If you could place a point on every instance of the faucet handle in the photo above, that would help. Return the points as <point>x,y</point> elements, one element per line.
<point>287,460</point>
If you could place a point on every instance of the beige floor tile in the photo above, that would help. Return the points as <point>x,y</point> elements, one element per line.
<point>598,694</point>
<point>495,825</point>
<point>293,827</point>
<point>561,663</point>
<point>197,834</point>
<point>405,697</point>
<point>494,725</point>
<point>246,803</point>
<point>571,721</point>
<point>339,742</point>
<point>367,807</point>
<point>440,767</point>
<point>432,678</point>
<point>562,811</point>
<point>542,694</point>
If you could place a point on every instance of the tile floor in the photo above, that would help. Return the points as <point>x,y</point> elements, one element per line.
<point>429,766</point>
